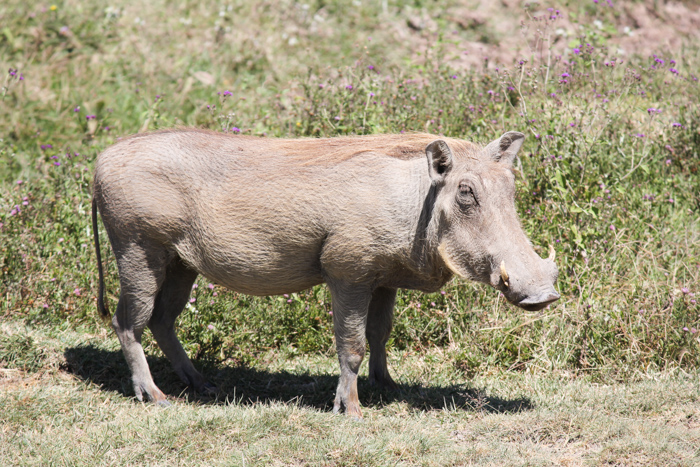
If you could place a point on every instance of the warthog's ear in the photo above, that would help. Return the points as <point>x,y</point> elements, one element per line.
<point>439,160</point>
<point>505,148</point>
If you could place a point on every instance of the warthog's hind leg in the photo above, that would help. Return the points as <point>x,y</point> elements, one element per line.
<point>379,322</point>
<point>141,271</point>
<point>170,302</point>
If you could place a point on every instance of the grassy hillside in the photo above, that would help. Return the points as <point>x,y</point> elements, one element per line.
<point>607,93</point>
<point>608,174</point>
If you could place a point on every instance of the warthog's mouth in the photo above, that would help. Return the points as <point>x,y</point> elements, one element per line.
<point>537,302</point>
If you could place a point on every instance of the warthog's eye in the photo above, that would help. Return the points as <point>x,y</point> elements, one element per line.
<point>467,195</point>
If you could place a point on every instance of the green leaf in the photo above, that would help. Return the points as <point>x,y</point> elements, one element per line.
<point>577,235</point>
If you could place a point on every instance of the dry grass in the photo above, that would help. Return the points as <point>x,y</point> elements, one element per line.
<point>74,411</point>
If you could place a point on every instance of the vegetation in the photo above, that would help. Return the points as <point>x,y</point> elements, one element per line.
<point>608,175</point>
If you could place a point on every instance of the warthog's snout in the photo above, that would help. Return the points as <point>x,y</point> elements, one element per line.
<point>528,285</point>
<point>537,302</point>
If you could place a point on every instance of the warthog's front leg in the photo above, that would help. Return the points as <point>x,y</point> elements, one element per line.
<point>350,303</point>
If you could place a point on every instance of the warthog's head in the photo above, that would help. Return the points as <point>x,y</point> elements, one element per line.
<point>478,230</point>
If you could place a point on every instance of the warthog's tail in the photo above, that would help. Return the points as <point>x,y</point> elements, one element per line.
<point>101,305</point>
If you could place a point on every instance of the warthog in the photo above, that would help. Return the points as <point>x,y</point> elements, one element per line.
<point>366,215</point>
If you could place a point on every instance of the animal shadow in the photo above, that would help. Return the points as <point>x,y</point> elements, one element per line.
<point>245,385</point>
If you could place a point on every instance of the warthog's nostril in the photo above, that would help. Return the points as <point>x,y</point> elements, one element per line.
<point>537,302</point>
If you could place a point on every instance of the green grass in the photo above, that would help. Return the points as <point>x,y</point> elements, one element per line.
<point>604,177</point>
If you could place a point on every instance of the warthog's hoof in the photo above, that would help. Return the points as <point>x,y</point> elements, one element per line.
<point>208,389</point>
<point>384,383</point>
<point>163,403</point>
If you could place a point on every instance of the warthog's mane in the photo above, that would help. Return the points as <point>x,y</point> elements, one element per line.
<point>335,149</point>
<point>401,146</point>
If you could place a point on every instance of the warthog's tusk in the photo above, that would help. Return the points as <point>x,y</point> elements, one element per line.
<point>552,253</point>
<point>504,274</point>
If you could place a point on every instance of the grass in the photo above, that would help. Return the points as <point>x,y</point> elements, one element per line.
<point>608,175</point>
<point>277,413</point>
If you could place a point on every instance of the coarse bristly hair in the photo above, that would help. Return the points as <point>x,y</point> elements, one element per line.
<point>340,148</point>
<point>400,146</point>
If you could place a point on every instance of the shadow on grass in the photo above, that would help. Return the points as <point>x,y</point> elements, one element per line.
<point>246,385</point>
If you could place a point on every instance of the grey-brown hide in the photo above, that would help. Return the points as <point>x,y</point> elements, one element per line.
<point>366,215</point>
